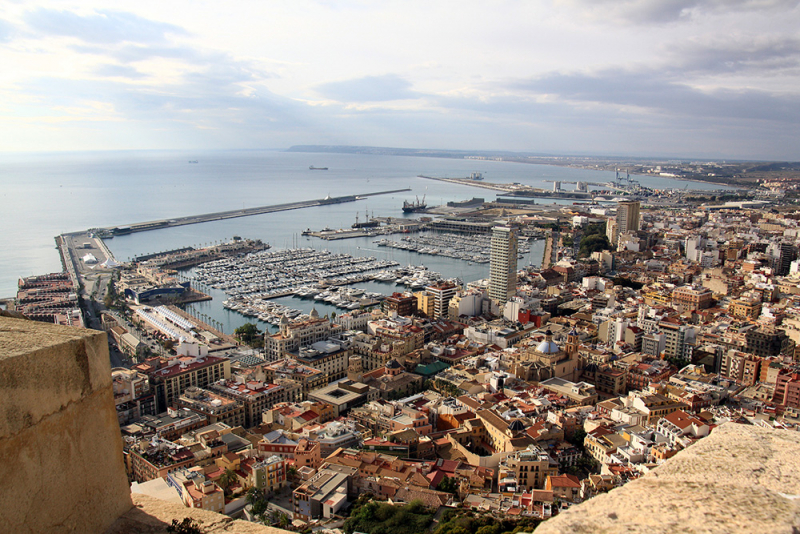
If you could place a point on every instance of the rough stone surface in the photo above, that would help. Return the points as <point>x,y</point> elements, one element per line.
<point>153,516</point>
<point>60,445</point>
<point>739,479</point>
<point>46,367</point>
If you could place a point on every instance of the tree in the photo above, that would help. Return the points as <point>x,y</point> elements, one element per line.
<point>448,484</point>
<point>227,479</point>
<point>577,438</point>
<point>187,526</point>
<point>283,520</point>
<point>257,500</point>
<point>388,519</point>
<point>250,334</point>
<point>593,243</point>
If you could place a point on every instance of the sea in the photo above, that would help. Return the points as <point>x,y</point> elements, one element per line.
<point>47,194</point>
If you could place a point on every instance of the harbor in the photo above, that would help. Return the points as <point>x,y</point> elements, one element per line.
<point>469,248</point>
<point>253,281</point>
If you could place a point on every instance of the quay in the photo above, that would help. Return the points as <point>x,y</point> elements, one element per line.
<point>470,182</point>
<point>333,235</point>
<point>231,214</point>
<point>516,190</point>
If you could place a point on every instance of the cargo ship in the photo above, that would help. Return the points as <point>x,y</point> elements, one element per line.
<point>411,207</point>
<point>312,168</point>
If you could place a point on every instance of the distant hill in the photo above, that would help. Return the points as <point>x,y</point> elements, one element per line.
<point>389,151</point>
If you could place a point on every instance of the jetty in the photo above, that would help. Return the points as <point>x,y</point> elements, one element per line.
<point>231,214</point>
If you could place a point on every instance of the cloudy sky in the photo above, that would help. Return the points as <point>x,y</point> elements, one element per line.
<point>692,78</point>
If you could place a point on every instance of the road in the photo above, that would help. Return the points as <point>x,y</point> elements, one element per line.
<point>92,281</point>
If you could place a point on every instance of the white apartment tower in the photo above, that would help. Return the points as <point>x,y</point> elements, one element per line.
<point>503,265</point>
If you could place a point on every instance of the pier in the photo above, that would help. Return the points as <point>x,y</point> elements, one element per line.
<point>528,191</point>
<point>246,212</point>
<point>550,248</point>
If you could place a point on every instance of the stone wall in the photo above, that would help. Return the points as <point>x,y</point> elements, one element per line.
<point>152,516</point>
<point>739,479</point>
<point>60,445</point>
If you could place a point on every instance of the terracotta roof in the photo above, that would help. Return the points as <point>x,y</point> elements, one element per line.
<point>563,481</point>
<point>682,419</point>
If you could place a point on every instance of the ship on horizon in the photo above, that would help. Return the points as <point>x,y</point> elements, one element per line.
<point>312,168</point>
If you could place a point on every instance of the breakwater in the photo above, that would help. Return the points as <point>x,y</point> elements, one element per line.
<point>231,214</point>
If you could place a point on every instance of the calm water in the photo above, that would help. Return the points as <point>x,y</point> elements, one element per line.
<point>44,195</point>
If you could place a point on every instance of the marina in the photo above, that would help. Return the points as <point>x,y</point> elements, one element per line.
<point>473,248</point>
<point>252,281</point>
<point>269,272</point>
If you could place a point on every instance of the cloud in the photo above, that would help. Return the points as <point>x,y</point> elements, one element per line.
<point>666,11</point>
<point>648,91</point>
<point>118,71</point>
<point>104,27</point>
<point>6,31</point>
<point>734,54</point>
<point>368,89</point>
<point>556,86</point>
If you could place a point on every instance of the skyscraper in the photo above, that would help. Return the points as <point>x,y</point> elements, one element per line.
<point>788,253</point>
<point>503,266</point>
<point>627,217</point>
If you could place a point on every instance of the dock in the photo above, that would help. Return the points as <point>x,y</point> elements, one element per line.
<point>220,215</point>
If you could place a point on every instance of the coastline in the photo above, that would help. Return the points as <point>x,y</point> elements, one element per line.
<point>574,162</point>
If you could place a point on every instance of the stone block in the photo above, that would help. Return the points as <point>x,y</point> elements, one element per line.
<point>60,445</point>
<point>739,479</point>
<point>153,516</point>
<point>45,367</point>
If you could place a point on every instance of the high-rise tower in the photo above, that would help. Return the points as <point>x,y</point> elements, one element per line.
<point>788,253</point>
<point>503,266</point>
<point>627,217</point>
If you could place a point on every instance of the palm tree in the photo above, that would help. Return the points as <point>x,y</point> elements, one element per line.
<point>273,516</point>
<point>227,479</point>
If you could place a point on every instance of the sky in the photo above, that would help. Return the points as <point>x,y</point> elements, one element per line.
<point>684,78</point>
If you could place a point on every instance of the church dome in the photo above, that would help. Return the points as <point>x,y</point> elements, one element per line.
<point>314,313</point>
<point>393,364</point>
<point>517,426</point>
<point>547,346</point>
<point>284,320</point>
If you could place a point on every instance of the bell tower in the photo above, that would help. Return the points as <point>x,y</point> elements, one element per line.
<point>355,369</point>
<point>571,347</point>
